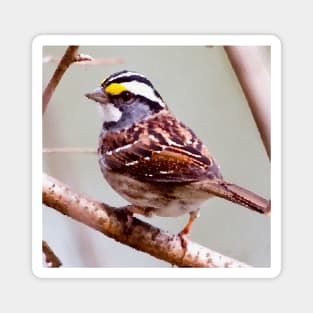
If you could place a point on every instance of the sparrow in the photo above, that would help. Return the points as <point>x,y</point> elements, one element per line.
<point>152,159</point>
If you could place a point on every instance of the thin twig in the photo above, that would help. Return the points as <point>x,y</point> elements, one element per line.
<point>69,150</point>
<point>69,57</point>
<point>51,259</point>
<point>139,235</point>
<point>91,61</point>
<point>255,82</point>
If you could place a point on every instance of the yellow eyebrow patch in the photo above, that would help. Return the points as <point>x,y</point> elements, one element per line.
<point>115,89</point>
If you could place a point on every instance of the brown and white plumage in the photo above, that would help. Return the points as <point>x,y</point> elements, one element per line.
<point>152,159</point>
<point>158,149</point>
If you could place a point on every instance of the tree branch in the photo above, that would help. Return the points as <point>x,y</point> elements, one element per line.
<point>87,61</point>
<point>255,82</point>
<point>139,235</point>
<point>51,259</point>
<point>70,56</point>
<point>69,150</point>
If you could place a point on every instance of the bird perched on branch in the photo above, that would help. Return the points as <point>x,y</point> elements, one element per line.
<point>152,159</point>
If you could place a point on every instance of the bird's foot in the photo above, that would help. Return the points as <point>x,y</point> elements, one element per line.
<point>147,212</point>
<point>184,237</point>
<point>127,210</point>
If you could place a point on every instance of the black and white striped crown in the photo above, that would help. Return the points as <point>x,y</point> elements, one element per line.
<point>133,82</point>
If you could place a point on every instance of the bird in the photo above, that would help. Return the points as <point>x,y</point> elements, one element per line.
<point>152,159</point>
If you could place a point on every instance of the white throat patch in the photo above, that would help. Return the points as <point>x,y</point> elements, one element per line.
<point>109,113</point>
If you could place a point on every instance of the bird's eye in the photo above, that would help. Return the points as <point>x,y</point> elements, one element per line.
<point>127,96</point>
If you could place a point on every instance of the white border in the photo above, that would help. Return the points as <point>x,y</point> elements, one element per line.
<point>150,40</point>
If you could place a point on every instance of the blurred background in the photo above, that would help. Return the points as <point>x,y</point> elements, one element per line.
<point>201,89</point>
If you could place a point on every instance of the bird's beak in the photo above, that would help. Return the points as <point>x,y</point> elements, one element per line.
<point>98,95</point>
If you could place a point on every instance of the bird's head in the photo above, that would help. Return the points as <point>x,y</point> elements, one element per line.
<point>126,98</point>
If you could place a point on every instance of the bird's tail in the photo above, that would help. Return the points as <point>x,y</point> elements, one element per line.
<point>238,195</point>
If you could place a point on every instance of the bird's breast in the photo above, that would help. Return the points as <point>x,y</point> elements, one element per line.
<point>168,200</point>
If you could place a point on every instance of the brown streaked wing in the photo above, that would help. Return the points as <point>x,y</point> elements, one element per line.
<point>155,157</point>
<point>160,166</point>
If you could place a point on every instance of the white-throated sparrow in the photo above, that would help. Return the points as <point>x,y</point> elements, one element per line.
<point>153,160</point>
